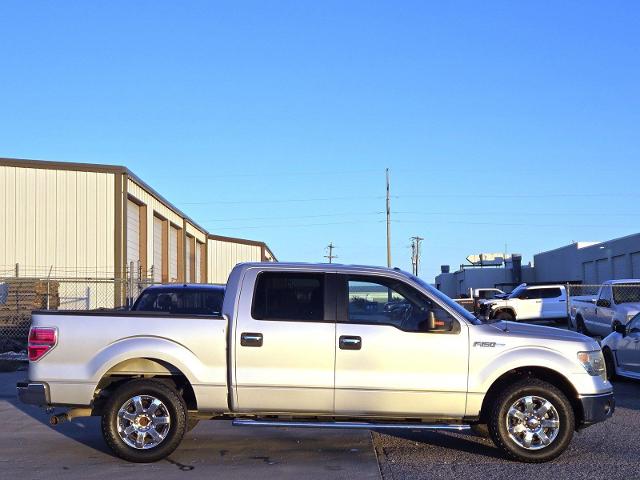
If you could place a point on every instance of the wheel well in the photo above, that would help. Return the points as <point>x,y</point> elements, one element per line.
<point>509,310</point>
<point>541,373</point>
<point>144,368</point>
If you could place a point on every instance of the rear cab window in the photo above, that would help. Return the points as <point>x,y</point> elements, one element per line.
<point>181,301</point>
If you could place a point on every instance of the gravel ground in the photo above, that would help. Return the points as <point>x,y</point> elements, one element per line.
<point>606,450</point>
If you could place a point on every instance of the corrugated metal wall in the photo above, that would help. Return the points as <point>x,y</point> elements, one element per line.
<point>60,218</point>
<point>224,255</point>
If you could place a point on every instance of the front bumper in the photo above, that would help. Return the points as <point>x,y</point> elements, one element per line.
<point>33,393</point>
<point>597,408</point>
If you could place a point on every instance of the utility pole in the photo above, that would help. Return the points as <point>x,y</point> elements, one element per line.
<point>388,222</point>
<point>331,256</point>
<point>415,248</point>
<point>413,256</point>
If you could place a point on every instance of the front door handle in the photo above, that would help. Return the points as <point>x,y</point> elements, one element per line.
<point>248,339</point>
<point>350,343</point>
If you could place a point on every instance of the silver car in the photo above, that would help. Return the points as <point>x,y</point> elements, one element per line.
<point>621,350</point>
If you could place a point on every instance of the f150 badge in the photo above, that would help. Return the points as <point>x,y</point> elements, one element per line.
<point>488,344</point>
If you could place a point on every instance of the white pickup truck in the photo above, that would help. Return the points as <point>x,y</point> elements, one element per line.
<point>616,302</point>
<point>528,302</point>
<point>331,346</point>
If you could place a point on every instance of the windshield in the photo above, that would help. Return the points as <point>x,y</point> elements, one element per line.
<point>629,293</point>
<point>184,301</point>
<point>459,309</point>
<point>517,291</point>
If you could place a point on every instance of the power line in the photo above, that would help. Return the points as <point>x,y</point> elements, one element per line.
<point>289,200</point>
<point>294,217</point>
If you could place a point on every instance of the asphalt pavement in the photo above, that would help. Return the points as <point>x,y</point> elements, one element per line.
<point>608,450</point>
<point>31,449</point>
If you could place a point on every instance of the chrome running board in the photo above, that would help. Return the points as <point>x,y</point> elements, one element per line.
<point>349,425</point>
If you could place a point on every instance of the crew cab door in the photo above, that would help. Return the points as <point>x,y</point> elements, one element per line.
<point>554,302</point>
<point>603,312</point>
<point>398,352</point>
<point>528,305</point>
<point>284,343</point>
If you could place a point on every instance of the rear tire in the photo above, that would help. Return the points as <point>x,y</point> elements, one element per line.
<point>144,421</point>
<point>532,421</point>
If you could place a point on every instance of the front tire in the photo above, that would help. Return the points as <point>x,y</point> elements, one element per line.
<point>581,327</point>
<point>532,421</point>
<point>610,364</point>
<point>504,315</point>
<point>144,421</point>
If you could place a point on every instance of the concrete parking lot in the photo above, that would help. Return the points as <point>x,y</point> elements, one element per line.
<point>30,448</point>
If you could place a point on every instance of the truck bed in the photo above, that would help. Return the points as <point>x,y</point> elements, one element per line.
<point>92,344</point>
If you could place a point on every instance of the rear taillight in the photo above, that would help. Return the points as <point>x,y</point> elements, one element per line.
<point>41,340</point>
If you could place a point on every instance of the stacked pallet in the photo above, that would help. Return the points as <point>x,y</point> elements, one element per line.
<point>20,296</point>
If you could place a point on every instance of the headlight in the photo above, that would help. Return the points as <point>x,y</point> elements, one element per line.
<point>593,363</point>
<point>630,316</point>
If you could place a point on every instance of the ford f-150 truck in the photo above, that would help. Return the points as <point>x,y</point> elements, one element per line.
<point>616,302</point>
<point>529,302</point>
<point>333,346</point>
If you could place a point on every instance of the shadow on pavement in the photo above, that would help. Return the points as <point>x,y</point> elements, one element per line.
<point>461,441</point>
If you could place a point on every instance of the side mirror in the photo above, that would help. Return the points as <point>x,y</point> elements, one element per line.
<point>620,328</point>
<point>603,303</point>
<point>435,325</point>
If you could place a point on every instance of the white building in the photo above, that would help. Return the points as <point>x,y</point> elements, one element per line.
<point>100,221</point>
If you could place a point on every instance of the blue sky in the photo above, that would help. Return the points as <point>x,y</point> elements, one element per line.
<point>501,122</point>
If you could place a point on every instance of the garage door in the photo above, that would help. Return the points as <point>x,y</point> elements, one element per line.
<point>603,270</point>
<point>188,253</point>
<point>620,269</point>
<point>133,234</point>
<point>157,249</point>
<point>589,273</point>
<point>198,261</point>
<point>635,265</point>
<point>173,254</point>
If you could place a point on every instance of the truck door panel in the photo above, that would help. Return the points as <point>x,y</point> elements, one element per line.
<point>399,368</point>
<point>628,353</point>
<point>285,345</point>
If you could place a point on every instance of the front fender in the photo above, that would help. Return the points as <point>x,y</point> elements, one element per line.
<point>489,370</point>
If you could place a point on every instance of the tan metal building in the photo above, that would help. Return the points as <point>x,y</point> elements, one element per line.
<point>102,220</point>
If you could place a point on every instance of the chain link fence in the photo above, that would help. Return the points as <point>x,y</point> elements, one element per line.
<point>25,289</point>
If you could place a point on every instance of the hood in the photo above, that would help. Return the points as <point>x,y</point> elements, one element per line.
<point>540,332</point>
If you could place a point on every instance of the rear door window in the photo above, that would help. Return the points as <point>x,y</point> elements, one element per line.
<point>289,296</point>
<point>550,292</point>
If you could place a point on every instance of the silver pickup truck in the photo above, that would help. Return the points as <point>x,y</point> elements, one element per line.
<point>318,346</point>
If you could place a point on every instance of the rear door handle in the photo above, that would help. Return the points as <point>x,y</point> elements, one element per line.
<point>248,339</point>
<point>350,343</point>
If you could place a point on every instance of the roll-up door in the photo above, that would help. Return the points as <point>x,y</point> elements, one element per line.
<point>188,253</point>
<point>198,262</point>
<point>173,254</point>
<point>133,235</point>
<point>158,248</point>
